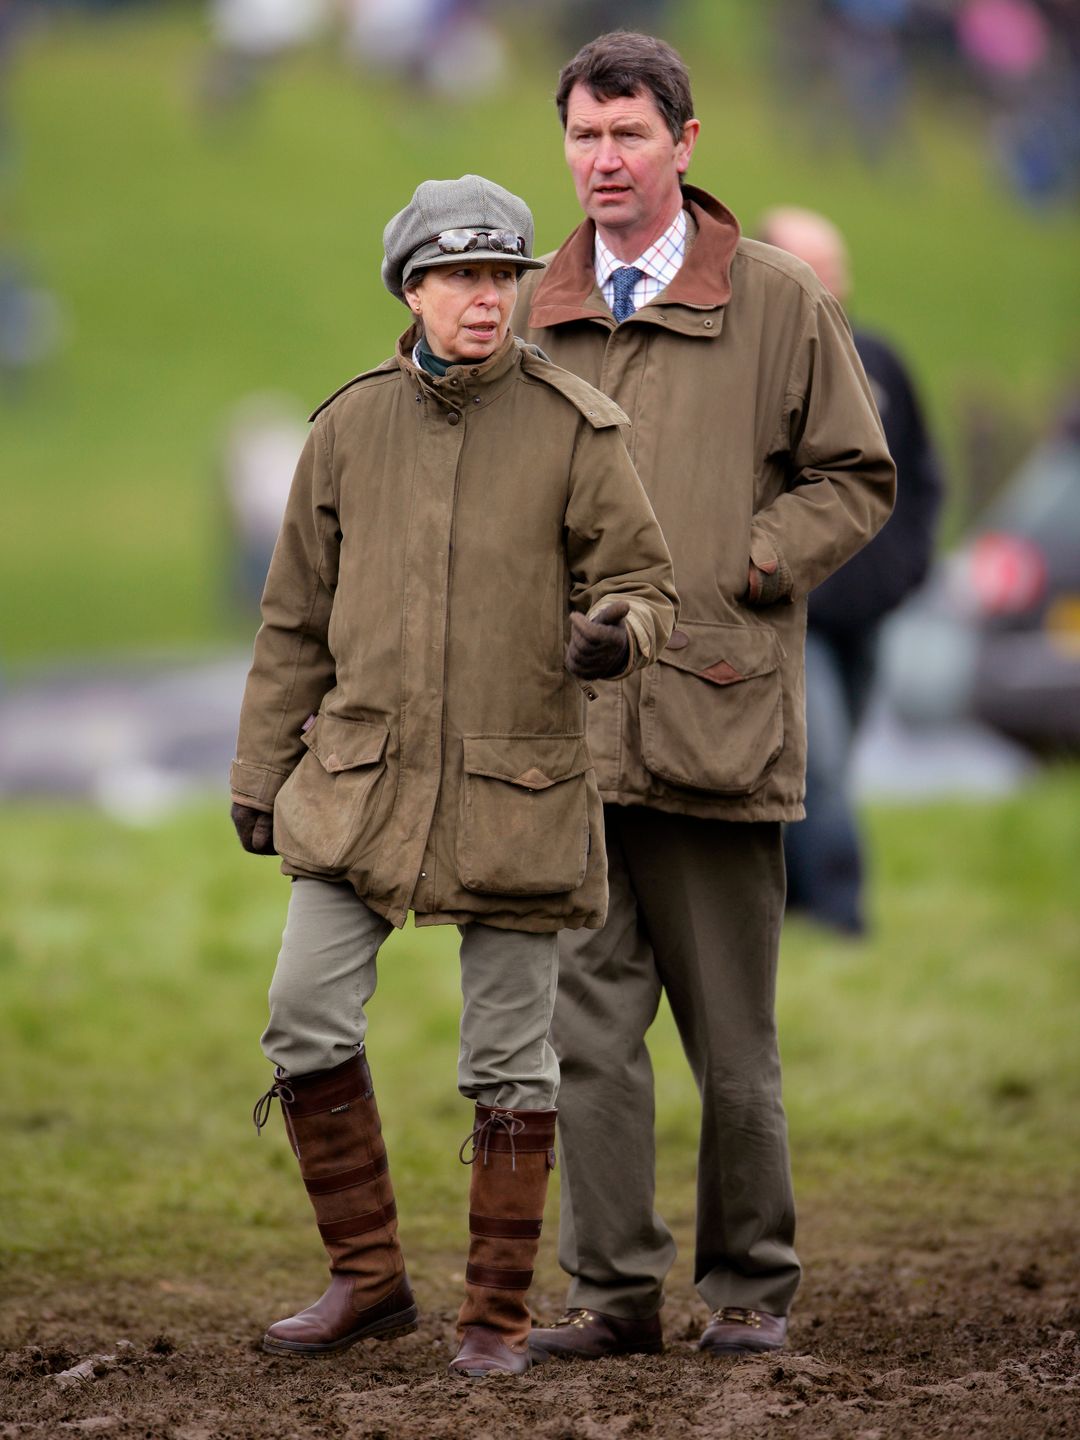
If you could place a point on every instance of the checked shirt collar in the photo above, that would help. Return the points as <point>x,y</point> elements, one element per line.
<point>659,264</point>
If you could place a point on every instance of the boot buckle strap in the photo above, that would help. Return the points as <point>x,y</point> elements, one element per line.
<point>493,1227</point>
<point>494,1277</point>
<point>358,1224</point>
<point>347,1179</point>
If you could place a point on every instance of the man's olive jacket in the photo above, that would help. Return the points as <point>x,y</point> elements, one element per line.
<point>756,437</point>
<point>408,717</point>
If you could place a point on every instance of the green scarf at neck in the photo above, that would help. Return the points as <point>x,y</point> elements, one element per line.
<point>430,361</point>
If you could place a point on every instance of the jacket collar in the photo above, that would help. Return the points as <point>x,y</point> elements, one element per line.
<point>473,381</point>
<point>568,289</point>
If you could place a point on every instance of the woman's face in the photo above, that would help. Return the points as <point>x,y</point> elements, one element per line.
<point>465,309</point>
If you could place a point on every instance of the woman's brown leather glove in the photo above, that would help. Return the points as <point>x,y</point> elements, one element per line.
<point>255,828</point>
<point>599,647</point>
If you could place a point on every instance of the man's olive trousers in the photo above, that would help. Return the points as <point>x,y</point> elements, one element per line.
<point>696,909</point>
<point>326,974</point>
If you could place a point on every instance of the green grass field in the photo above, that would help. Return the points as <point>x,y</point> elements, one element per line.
<point>198,263</point>
<point>933,1066</point>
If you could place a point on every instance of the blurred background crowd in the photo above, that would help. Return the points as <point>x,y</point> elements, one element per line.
<point>191,204</point>
<point>850,67</point>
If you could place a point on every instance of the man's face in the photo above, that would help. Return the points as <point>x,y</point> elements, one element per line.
<point>625,163</point>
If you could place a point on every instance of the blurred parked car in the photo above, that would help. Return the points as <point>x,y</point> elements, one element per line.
<point>994,635</point>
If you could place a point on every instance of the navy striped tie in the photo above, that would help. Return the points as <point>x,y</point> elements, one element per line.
<point>623,281</point>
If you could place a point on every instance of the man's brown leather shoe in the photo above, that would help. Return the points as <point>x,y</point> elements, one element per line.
<point>483,1351</point>
<point>588,1335</point>
<point>735,1331</point>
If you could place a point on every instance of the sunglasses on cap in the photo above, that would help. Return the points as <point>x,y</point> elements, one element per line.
<point>459,242</point>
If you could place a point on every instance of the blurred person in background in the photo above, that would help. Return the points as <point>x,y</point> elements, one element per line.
<point>13,16</point>
<point>466,547</point>
<point>1026,61</point>
<point>757,440</point>
<point>264,435</point>
<point>843,63</point>
<point>249,35</point>
<point>580,20</point>
<point>869,67</point>
<point>32,322</point>
<point>1019,58</point>
<point>447,47</point>
<point>824,854</point>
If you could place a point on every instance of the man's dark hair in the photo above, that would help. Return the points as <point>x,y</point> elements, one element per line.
<point>626,63</point>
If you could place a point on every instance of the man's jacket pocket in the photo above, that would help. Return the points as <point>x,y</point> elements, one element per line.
<point>712,709</point>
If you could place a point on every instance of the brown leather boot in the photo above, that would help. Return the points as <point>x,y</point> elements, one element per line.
<point>513,1153</point>
<point>333,1126</point>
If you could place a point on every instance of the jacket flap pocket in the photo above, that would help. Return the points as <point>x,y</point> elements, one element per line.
<point>534,762</point>
<point>723,654</point>
<point>343,744</point>
<point>523,827</point>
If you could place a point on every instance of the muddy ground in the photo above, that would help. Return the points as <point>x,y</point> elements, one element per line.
<point>958,1332</point>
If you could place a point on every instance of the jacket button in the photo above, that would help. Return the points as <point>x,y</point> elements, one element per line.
<point>708,324</point>
<point>453,418</point>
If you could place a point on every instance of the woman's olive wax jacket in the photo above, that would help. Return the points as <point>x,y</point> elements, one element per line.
<point>408,716</point>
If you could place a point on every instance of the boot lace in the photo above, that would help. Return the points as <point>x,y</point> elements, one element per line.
<point>281,1090</point>
<point>579,1318</point>
<point>480,1135</point>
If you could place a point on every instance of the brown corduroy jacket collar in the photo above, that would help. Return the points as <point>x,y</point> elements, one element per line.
<point>568,289</point>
